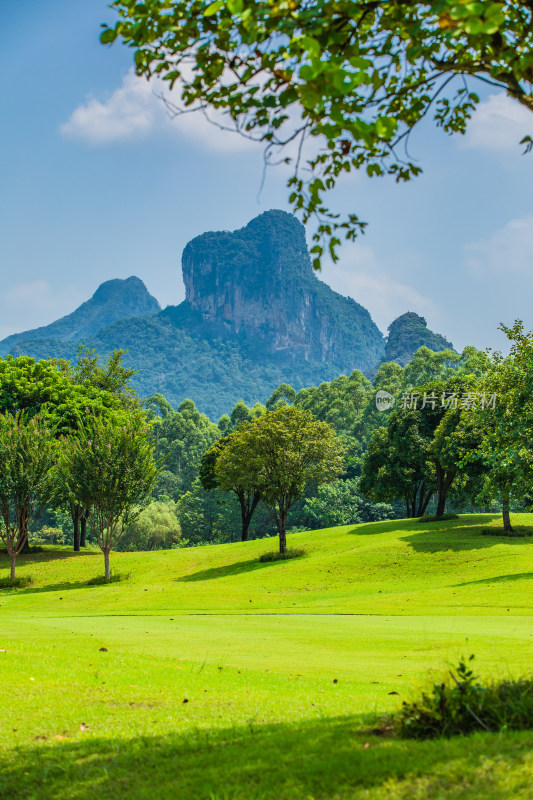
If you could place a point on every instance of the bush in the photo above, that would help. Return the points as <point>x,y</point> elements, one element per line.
<point>435,518</point>
<point>49,535</point>
<point>156,528</point>
<point>341,503</point>
<point>290,552</point>
<point>15,583</point>
<point>296,529</point>
<point>116,577</point>
<point>519,532</point>
<point>461,704</point>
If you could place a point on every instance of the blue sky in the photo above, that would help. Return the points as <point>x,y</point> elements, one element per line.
<point>98,183</point>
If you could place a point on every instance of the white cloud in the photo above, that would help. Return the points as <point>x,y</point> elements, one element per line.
<point>130,112</point>
<point>30,305</point>
<point>136,110</point>
<point>360,276</point>
<point>508,249</point>
<point>498,124</point>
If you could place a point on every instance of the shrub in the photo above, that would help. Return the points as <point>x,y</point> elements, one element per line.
<point>461,704</point>
<point>290,552</point>
<point>15,583</point>
<point>101,580</point>
<point>341,503</point>
<point>519,532</point>
<point>49,535</point>
<point>156,528</point>
<point>435,518</point>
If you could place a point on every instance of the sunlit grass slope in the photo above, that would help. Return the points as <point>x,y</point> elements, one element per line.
<point>209,675</point>
<point>381,568</point>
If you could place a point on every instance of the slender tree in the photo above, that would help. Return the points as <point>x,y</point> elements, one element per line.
<point>507,446</point>
<point>110,468</point>
<point>27,456</point>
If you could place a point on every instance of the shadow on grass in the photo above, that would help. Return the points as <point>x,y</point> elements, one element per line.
<point>319,759</point>
<point>427,526</point>
<point>434,541</point>
<point>372,528</point>
<point>54,587</point>
<point>46,555</point>
<point>230,569</point>
<point>497,579</point>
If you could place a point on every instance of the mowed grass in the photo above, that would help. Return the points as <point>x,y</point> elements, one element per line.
<point>379,568</point>
<point>223,677</point>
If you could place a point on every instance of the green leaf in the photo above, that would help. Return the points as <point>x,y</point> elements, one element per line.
<point>212,8</point>
<point>474,25</point>
<point>108,36</point>
<point>307,73</point>
<point>235,6</point>
<point>311,45</point>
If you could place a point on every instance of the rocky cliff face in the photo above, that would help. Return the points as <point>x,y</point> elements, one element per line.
<point>113,300</point>
<point>409,332</point>
<point>258,282</point>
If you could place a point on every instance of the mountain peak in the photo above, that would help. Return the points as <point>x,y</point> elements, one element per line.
<point>269,250</point>
<point>258,282</point>
<point>407,333</point>
<point>113,300</point>
<point>117,289</point>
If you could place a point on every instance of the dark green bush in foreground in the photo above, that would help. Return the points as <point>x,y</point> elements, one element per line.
<point>290,552</point>
<point>461,705</point>
<point>435,518</point>
<point>15,583</point>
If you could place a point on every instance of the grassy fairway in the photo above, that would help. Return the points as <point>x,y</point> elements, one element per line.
<point>226,678</point>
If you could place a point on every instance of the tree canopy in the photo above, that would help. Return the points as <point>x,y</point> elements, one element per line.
<point>280,454</point>
<point>507,441</point>
<point>354,78</point>
<point>109,468</point>
<point>27,453</point>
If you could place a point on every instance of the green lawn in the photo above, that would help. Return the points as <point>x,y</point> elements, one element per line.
<point>227,678</point>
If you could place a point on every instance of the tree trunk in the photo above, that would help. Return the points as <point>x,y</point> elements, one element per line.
<point>423,503</point>
<point>13,558</point>
<point>282,534</point>
<point>508,528</point>
<point>444,483</point>
<point>422,500</point>
<point>23,542</point>
<point>248,506</point>
<point>75,512</point>
<point>107,567</point>
<point>83,527</point>
<point>245,519</point>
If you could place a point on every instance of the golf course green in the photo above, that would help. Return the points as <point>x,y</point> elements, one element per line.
<point>205,673</point>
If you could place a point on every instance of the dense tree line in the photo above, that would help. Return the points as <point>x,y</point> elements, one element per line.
<point>79,452</point>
